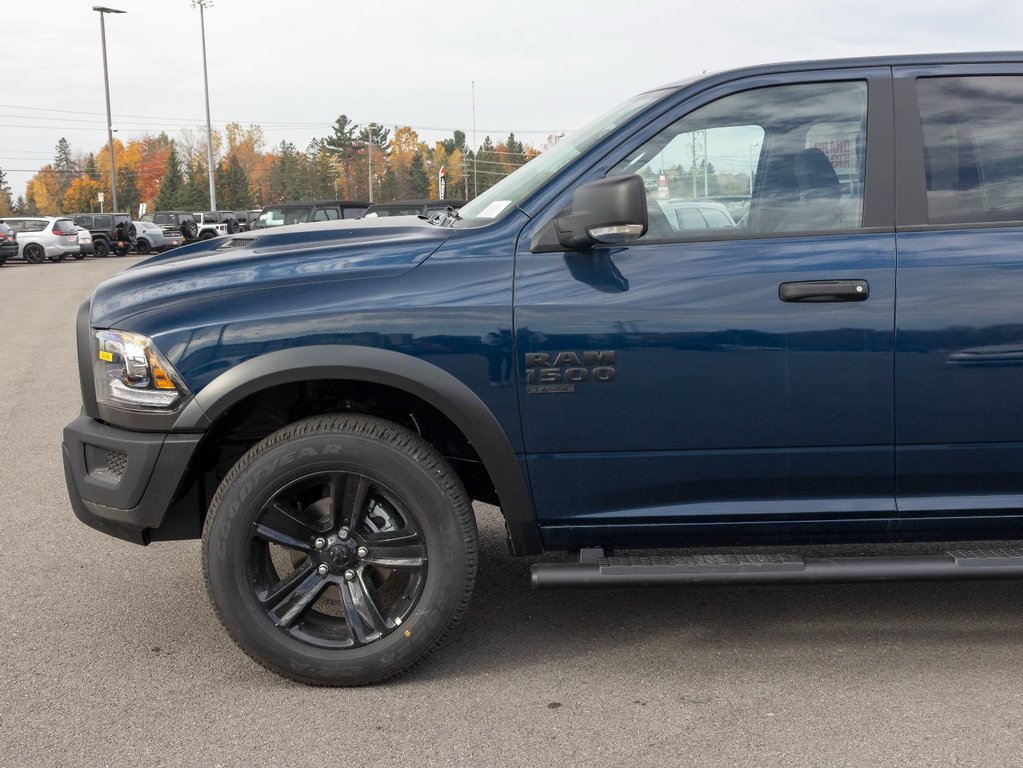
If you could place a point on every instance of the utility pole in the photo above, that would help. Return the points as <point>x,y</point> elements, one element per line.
<point>369,149</point>
<point>202,6</point>
<point>106,87</point>
<point>475,145</point>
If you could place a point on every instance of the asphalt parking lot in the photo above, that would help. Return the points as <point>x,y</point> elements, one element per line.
<point>110,653</point>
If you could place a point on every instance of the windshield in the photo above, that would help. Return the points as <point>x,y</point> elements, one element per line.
<point>514,189</point>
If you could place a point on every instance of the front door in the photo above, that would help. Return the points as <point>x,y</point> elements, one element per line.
<point>735,363</point>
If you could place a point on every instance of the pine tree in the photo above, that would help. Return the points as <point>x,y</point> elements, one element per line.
<point>232,185</point>
<point>321,177</point>
<point>90,171</point>
<point>171,184</point>
<point>515,152</point>
<point>128,195</point>
<point>381,138</point>
<point>418,180</point>
<point>195,192</point>
<point>64,166</point>
<point>6,203</point>
<point>457,141</point>
<point>489,166</point>
<point>292,171</point>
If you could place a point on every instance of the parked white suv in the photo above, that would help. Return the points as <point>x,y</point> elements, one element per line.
<point>45,237</point>
<point>210,225</point>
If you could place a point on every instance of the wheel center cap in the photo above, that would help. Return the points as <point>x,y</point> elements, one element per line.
<point>338,556</point>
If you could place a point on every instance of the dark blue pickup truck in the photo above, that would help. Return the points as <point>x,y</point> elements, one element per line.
<point>779,305</point>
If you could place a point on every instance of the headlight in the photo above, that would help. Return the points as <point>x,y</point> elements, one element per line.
<point>130,372</point>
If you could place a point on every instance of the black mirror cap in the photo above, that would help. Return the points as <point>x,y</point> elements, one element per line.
<point>611,210</point>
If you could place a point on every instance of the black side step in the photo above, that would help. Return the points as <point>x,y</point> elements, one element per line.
<point>596,570</point>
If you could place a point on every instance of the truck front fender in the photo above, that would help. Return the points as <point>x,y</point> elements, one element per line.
<point>402,372</point>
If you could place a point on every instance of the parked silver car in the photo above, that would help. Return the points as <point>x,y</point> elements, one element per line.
<point>85,244</point>
<point>45,237</point>
<point>149,237</point>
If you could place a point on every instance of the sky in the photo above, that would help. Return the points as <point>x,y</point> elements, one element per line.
<point>292,66</point>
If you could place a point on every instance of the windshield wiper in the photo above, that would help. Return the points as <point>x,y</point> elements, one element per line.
<point>449,217</point>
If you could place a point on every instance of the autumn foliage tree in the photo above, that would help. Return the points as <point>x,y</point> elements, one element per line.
<point>164,173</point>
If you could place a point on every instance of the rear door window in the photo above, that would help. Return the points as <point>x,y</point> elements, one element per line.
<point>973,148</point>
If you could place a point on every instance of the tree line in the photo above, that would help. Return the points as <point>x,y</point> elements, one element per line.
<point>171,173</point>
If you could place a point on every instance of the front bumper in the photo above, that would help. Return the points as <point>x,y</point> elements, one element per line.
<point>123,482</point>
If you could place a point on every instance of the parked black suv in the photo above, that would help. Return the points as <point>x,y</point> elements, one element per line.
<point>8,243</point>
<point>300,212</point>
<point>109,232</point>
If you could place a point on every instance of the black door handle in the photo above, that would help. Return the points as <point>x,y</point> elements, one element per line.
<point>825,290</point>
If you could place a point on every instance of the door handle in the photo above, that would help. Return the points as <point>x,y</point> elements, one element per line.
<point>824,290</point>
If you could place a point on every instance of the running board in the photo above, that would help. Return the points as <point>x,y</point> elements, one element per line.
<point>594,569</point>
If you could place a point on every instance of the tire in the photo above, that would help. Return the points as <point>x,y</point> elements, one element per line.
<point>338,614</point>
<point>142,246</point>
<point>34,253</point>
<point>233,226</point>
<point>189,229</point>
<point>79,256</point>
<point>207,235</point>
<point>100,248</point>
<point>58,259</point>
<point>132,233</point>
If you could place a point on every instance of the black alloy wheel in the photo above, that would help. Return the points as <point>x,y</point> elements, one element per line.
<point>101,248</point>
<point>142,246</point>
<point>340,550</point>
<point>34,253</point>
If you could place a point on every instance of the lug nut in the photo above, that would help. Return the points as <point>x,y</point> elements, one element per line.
<point>323,570</point>
<point>349,575</point>
<point>320,543</point>
<point>362,551</point>
<point>343,533</point>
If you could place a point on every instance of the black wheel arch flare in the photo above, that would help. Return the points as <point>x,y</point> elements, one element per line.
<point>399,371</point>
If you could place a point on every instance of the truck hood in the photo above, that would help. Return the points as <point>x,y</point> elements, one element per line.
<point>260,260</point>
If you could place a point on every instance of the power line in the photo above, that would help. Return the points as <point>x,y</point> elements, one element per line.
<point>276,124</point>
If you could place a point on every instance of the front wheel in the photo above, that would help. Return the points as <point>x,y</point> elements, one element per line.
<point>340,550</point>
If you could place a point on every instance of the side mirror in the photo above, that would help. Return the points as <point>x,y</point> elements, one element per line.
<point>610,211</point>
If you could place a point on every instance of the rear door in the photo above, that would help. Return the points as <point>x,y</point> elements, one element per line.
<point>959,359</point>
<point>738,374</point>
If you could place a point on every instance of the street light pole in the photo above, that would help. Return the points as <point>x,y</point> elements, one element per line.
<point>203,5</point>
<point>106,87</point>
<point>369,148</point>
